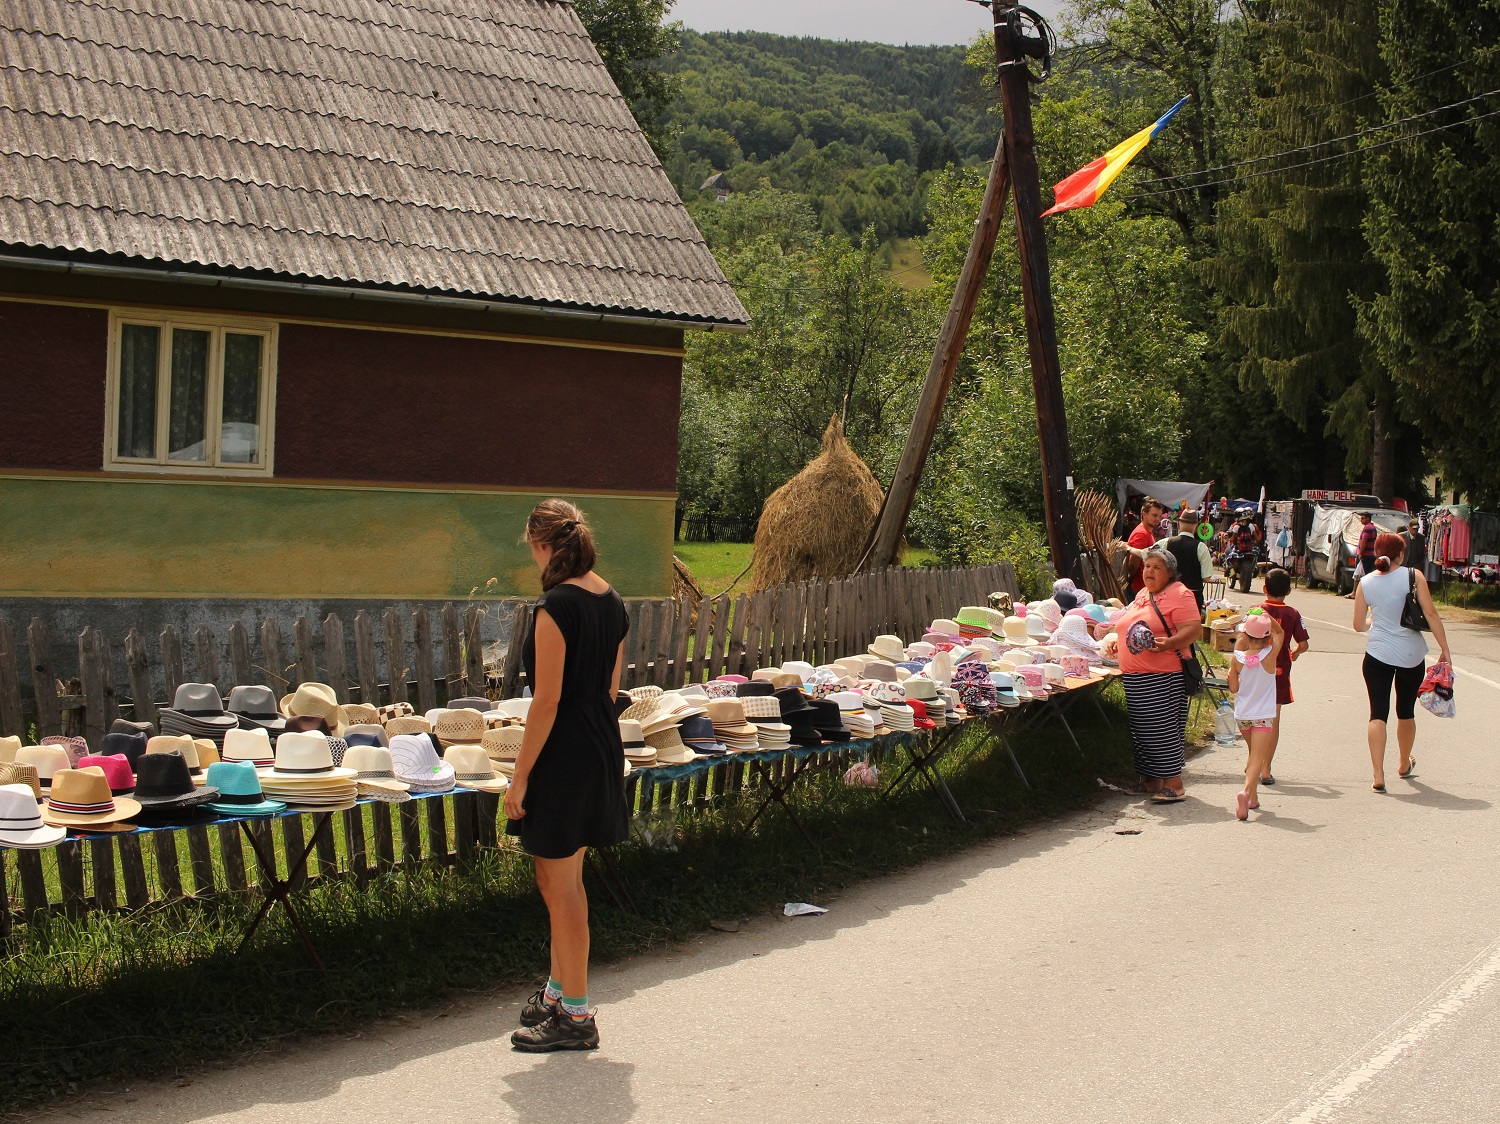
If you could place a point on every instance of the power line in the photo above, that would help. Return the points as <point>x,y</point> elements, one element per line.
<point>1414,78</point>
<point>1320,160</point>
<point>1310,147</point>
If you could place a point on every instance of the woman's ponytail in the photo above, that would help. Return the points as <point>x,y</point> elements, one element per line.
<point>1389,550</point>
<point>561,526</point>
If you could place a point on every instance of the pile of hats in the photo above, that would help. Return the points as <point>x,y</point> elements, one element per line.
<point>305,777</point>
<point>197,711</point>
<point>731,727</point>
<point>764,713</point>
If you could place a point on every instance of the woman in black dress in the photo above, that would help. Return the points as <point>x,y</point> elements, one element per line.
<point>568,791</point>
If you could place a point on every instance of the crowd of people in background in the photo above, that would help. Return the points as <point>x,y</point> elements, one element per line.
<point>1168,562</point>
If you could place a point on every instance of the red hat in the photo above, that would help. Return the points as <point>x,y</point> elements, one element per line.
<point>919,712</point>
<point>116,768</point>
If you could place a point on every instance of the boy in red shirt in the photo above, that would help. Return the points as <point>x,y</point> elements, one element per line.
<point>1278,585</point>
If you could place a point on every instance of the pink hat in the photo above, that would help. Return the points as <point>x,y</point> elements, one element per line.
<point>733,679</point>
<point>116,768</point>
<point>1258,626</point>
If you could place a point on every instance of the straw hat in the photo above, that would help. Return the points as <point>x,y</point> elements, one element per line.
<point>879,670</point>
<point>472,769</point>
<point>764,674</point>
<point>889,648</point>
<point>800,668</point>
<point>81,798</point>
<point>650,691</point>
<point>375,773</point>
<point>12,772</point>
<point>8,747</point>
<point>253,746</point>
<point>670,748</point>
<point>1016,633</point>
<point>503,744</point>
<point>208,752</point>
<point>315,698</point>
<point>304,758</point>
<point>460,727</point>
<point>360,714</point>
<point>75,747</point>
<point>407,724</point>
<point>389,711</point>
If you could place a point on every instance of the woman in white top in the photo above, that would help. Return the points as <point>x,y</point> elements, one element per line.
<point>1394,653</point>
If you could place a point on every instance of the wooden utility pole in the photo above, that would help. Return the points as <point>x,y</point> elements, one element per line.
<point>885,541</point>
<point>1014,164</point>
<point>1011,49</point>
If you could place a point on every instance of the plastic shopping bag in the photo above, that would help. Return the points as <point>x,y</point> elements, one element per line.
<point>862,774</point>
<point>1436,693</point>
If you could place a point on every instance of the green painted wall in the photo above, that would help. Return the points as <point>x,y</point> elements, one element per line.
<point>128,537</point>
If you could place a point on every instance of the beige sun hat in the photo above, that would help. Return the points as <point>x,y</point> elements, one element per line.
<point>669,746</point>
<point>81,798</point>
<point>360,714</point>
<point>315,698</point>
<point>374,773</point>
<point>47,760</point>
<point>407,724</point>
<point>472,769</point>
<point>459,727</point>
<point>1016,634</point>
<point>208,753</point>
<point>8,748</point>
<point>888,647</point>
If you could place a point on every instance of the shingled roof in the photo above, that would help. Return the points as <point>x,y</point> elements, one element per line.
<point>471,147</point>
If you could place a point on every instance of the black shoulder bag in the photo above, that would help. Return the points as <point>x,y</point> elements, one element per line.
<point>1412,616</point>
<point>1192,670</point>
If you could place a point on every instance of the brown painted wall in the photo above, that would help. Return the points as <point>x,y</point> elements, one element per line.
<point>368,405</point>
<point>52,370</point>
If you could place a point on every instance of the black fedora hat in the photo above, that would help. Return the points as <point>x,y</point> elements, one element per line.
<point>163,784</point>
<point>131,745</point>
<point>827,720</point>
<point>754,688</point>
<point>792,701</point>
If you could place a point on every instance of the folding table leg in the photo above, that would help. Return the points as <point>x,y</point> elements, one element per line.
<point>279,889</point>
<point>604,869</point>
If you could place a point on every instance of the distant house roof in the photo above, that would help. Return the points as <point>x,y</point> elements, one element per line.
<point>472,147</point>
<point>716,182</point>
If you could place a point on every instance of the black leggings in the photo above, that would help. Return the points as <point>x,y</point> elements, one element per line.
<point>1378,678</point>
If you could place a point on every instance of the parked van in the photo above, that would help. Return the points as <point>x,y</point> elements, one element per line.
<point>1332,545</point>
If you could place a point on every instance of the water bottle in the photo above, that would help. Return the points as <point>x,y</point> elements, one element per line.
<point>1225,727</point>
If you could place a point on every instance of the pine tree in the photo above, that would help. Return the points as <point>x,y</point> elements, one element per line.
<point>1293,260</point>
<point>1432,226</point>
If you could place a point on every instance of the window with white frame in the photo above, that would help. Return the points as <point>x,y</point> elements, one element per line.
<point>190,394</point>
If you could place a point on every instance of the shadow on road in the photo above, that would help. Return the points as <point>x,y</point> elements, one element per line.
<point>1429,797</point>
<point>593,1088</point>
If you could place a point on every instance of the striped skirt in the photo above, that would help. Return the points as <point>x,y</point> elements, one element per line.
<point>1158,707</point>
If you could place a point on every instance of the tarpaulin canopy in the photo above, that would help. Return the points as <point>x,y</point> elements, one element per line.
<point>1170,492</point>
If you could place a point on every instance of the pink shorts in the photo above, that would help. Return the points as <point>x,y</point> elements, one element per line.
<point>1257,723</point>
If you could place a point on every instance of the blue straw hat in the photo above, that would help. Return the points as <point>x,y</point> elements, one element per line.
<point>239,790</point>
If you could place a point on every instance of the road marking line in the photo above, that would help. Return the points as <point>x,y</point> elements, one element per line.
<point>1338,1093</point>
<point>1456,669</point>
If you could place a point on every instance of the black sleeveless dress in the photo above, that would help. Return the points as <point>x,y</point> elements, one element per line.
<point>575,795</point>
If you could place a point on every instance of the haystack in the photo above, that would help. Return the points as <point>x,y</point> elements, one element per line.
<point>816,524</point>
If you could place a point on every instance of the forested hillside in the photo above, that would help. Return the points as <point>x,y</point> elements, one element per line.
<point>855,128</point>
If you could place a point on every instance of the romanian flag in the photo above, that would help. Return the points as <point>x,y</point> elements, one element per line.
<point>1083,187</point>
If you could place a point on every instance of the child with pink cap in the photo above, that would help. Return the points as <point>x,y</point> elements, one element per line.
<point>1252,678</point>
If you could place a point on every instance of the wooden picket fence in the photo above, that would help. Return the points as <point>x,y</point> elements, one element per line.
<point>671,642</point>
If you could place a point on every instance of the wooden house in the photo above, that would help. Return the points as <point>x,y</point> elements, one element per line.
<point>316,300</point>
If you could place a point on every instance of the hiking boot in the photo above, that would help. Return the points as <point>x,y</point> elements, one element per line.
<point>538,1009</point>
<point>560,1032</point>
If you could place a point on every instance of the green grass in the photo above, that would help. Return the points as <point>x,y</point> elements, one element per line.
<point>1462,595</point>
<point>907,266</point>
<point>715,565</point>
<point>116,996</point>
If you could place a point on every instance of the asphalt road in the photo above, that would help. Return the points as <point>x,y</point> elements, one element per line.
<point>1337,958</point>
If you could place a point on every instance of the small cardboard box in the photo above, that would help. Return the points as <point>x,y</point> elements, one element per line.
<point>1223,640</point>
